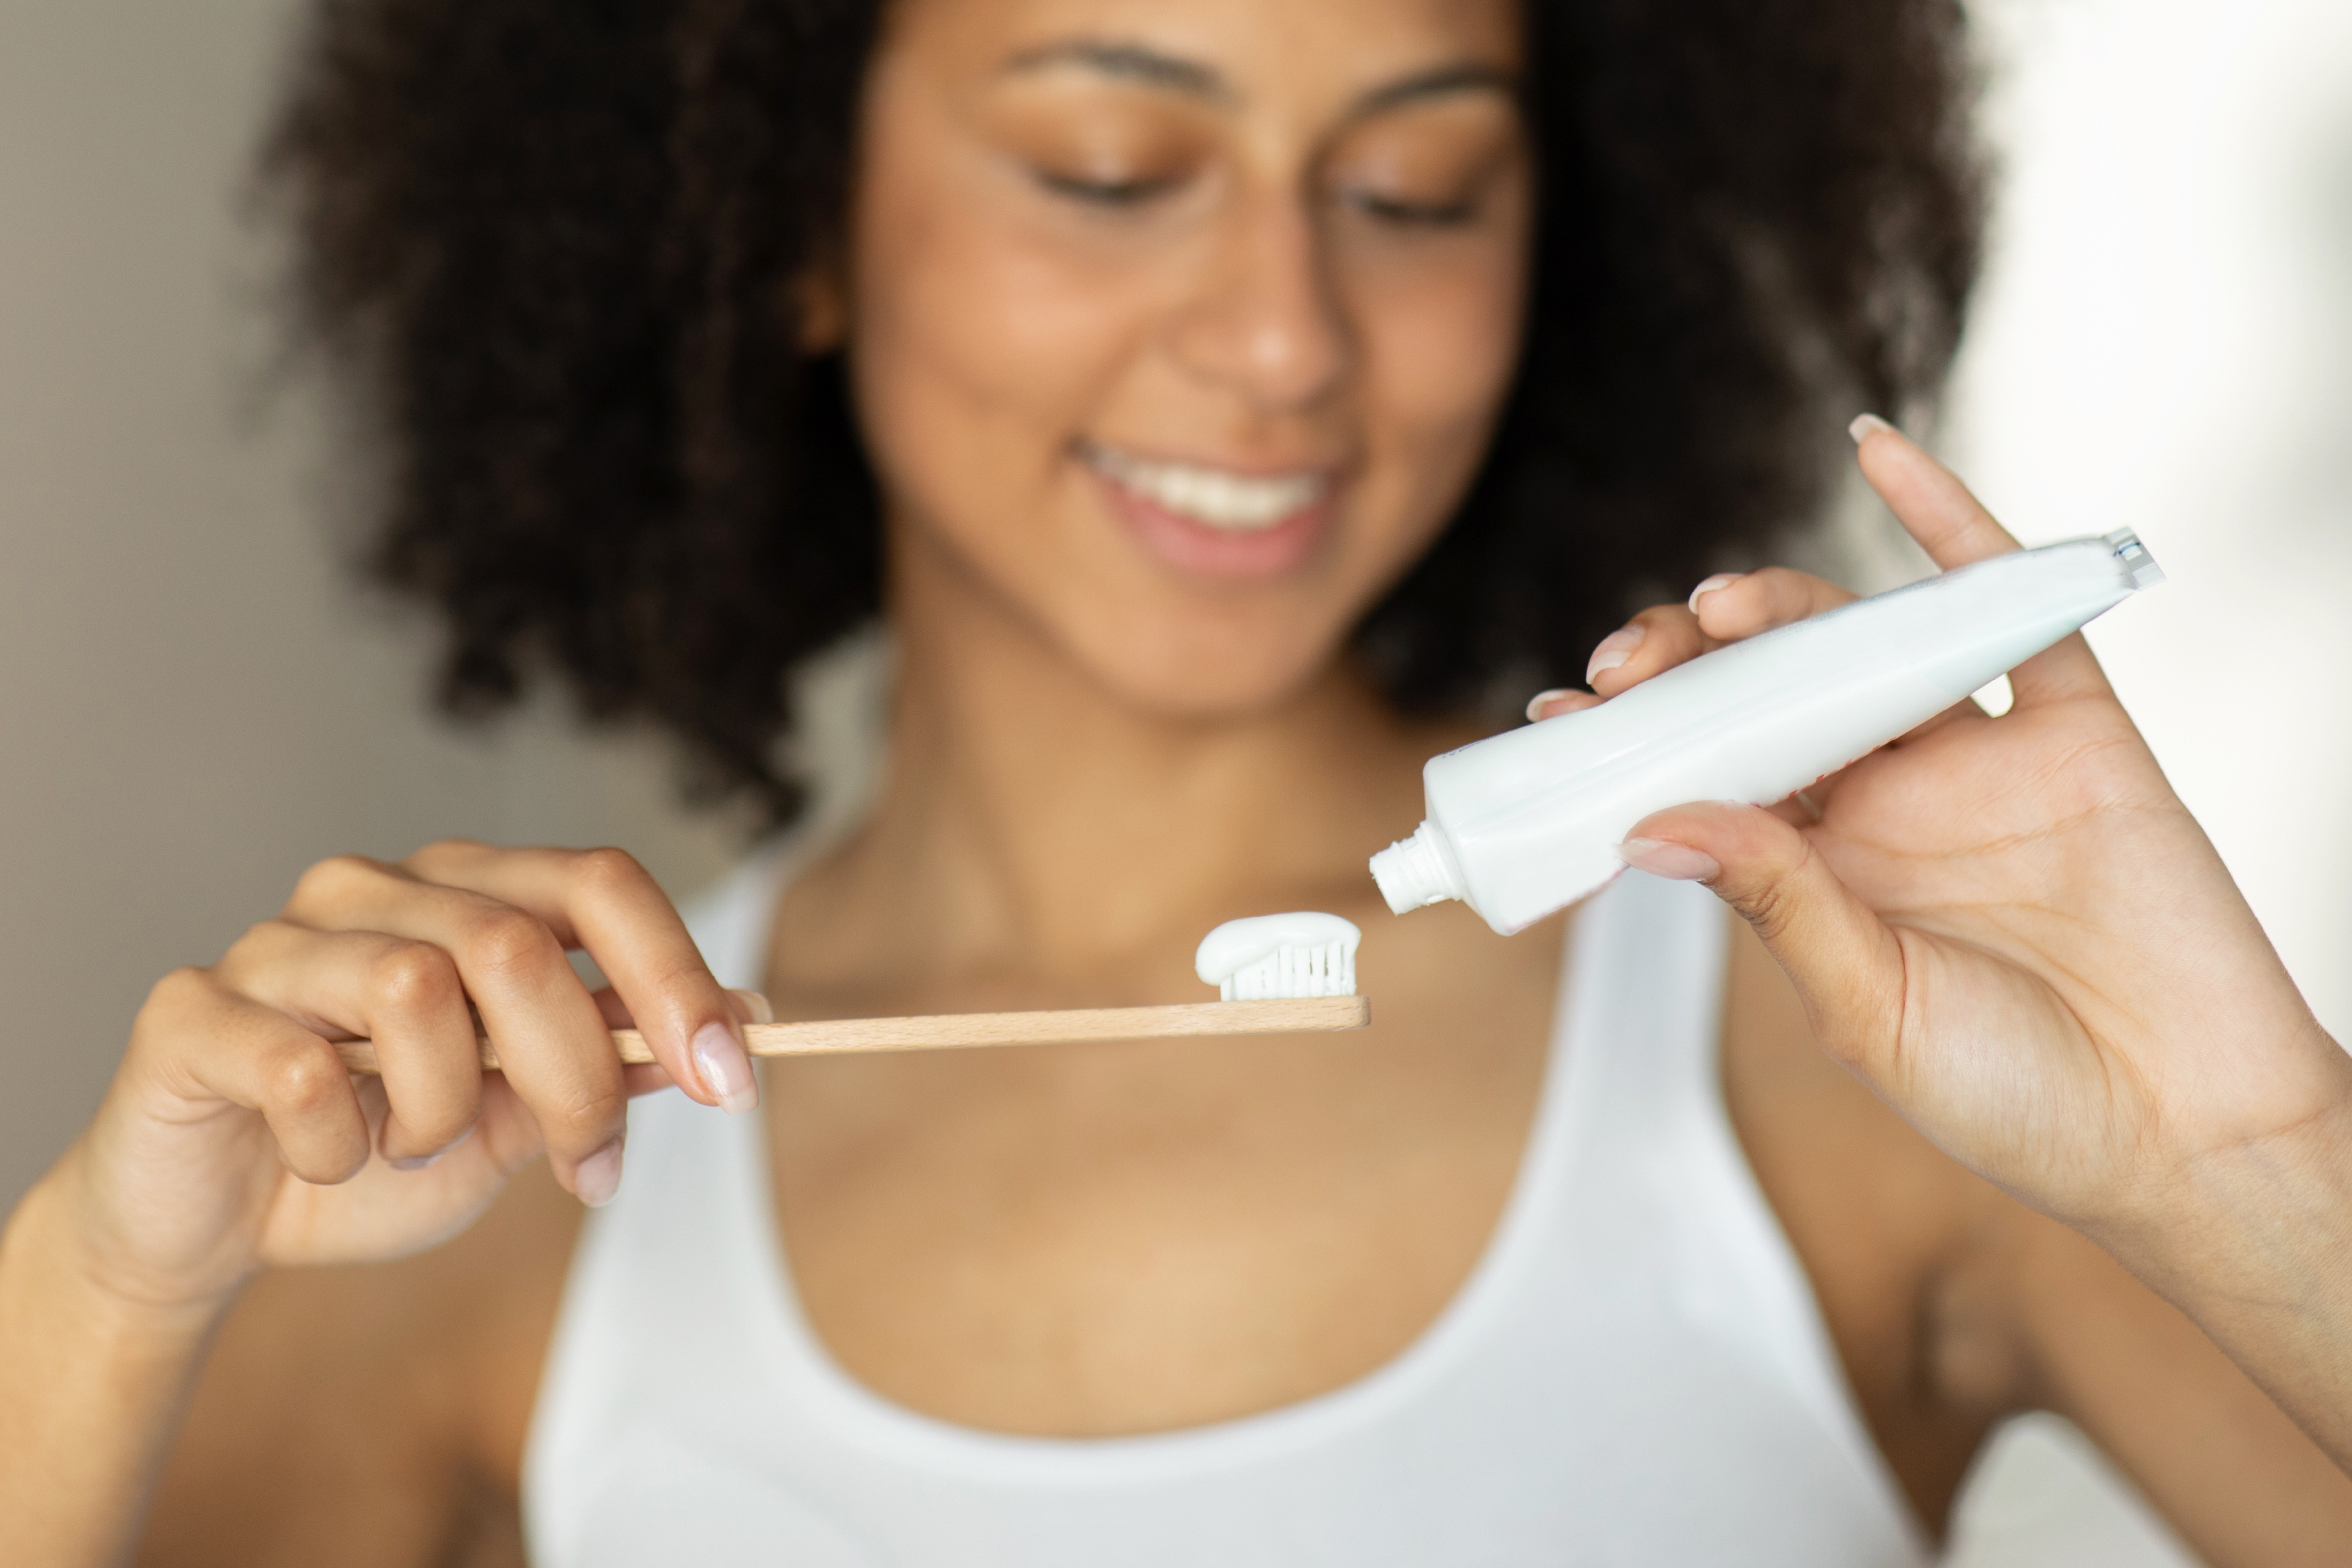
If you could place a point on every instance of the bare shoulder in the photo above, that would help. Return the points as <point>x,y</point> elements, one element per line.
<point>1885,1223</point>
<point>374,1414</point>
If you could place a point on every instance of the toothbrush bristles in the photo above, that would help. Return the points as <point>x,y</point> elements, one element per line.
<point>1325,969</point>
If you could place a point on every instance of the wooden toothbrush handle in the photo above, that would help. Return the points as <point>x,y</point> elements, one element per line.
<point>941,1031</point>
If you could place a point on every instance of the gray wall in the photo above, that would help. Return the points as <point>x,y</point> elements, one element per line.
<point>194,705</point>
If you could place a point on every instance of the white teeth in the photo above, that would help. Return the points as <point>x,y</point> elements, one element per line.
<point>1216,497</point>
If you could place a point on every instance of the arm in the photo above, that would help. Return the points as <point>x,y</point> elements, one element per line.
<point>2254,1241</point>
<point>90,1384</point>
<point>2243,1485</point>
<point>2011,930</point>
<point>374,1414</point>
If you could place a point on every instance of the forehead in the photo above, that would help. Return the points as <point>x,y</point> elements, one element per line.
<point>1238,52</point>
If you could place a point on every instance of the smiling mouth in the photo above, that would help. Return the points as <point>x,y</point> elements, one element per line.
<point>1216,499</point>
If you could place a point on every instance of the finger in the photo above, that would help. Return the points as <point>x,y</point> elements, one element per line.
<point>1656,640</point>
<point>749,1007</point>
<point>1735,606</point>
<point>506,1137</point>
<point>604,901</point>
<point>1821,793</point>
<point>1730,608</point>
<point>553,1046</point>
<point>646,1077</point>
<point>1955,529</point>
<point>2065,671</point>
<point>254,1056</point>
<point>1723,609</point>
<point>1950,524</point>
<point>1964,711</point>
<point>641,1078</point>
<point>1557,701</point>
<point>1844,961</point>
<point>403,995</point>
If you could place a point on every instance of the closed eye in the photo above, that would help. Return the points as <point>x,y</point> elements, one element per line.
<point>1106,192</point>
<point>1418,214</point>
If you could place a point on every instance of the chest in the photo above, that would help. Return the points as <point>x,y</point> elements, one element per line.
<point>1094,1239</point>
<point>1094,1242</point>
<point>1091,1240</point>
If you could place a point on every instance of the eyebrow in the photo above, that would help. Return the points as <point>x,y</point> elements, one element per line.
<point>1442,82</point>
<point>1143,64</point>
<point>1134,62</point>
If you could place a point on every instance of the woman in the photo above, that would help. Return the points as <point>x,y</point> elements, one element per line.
<point>1138,359</point>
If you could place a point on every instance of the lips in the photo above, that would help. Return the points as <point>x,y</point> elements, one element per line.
<point>1216,521</point>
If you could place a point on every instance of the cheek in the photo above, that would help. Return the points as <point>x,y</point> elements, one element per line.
<point>1440,338</point>
<point>976,353</point>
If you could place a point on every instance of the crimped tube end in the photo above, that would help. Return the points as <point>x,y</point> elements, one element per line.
<point>2138,565</point>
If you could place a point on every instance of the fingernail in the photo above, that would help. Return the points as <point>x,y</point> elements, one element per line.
<point>598,1177</point>
<point>756,1005</point>
<point>1540,698</point>
<point>725,1070</point>
<point>1678,862</point>
<point>1864,423</point>
<point>418,1161</point>
<point>1613,650</point>
<point>1720,579</point>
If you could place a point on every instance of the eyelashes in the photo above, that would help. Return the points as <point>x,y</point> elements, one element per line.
<point>1133,195</point>
<point>1408,214</point>
<point>1113,194</point>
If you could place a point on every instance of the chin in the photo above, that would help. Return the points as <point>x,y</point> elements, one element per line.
<point>1182,667</point>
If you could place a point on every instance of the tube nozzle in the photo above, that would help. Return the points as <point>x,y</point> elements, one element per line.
<point>1417,871</point>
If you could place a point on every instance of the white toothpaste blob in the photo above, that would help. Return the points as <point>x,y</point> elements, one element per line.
<point>1235,503</point>
<point>1303,954</point>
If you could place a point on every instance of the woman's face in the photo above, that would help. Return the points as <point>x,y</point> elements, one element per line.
<point>1179,327</point>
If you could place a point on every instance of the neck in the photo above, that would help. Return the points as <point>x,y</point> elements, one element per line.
<point>1036,821</point>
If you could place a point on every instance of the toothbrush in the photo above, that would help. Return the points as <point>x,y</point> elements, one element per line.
<point>1276,973</point>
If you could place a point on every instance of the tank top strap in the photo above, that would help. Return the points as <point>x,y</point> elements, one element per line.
<point>1645,1011</point>
<point>1658,1161</point>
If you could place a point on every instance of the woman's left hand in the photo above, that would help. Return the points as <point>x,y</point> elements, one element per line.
<point>2013,931</point>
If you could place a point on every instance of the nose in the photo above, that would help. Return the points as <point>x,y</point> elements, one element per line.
<point>1265,320</point>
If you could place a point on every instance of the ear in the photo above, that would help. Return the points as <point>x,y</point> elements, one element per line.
<point>819,305</point>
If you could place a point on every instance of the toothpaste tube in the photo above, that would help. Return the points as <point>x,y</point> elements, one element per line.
<point>1526,822</point>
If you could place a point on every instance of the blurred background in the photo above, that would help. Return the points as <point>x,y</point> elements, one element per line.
<point>195,704</point>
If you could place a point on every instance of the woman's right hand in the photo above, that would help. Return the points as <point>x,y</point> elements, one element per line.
<point>232,1137</point>
<point>2013,931</point>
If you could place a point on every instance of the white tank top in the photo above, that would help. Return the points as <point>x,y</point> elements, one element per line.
<point>1635,1373</point>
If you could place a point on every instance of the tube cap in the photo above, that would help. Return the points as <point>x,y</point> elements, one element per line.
<point>1417,871</point>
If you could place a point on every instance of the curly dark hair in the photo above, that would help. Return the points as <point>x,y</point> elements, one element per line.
<point>554,239</point>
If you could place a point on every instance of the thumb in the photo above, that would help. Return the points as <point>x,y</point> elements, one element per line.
<point>1846,964</point>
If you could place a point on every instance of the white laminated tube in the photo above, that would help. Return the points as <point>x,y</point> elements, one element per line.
<point>1529,822</point>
